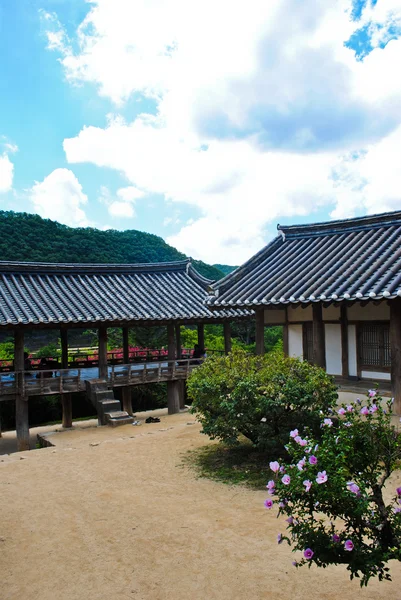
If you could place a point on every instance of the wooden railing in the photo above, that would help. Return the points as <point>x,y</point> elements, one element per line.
<point>63,381</point>
<point>115,357</point>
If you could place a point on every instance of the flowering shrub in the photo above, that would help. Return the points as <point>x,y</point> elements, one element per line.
<point>332,491</point>
<point>258,397</point>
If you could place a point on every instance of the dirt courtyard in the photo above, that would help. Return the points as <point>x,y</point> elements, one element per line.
<point>114,513</point>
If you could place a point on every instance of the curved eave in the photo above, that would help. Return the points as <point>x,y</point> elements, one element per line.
<point>304,301</point>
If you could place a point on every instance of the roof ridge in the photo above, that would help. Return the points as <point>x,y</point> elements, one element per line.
<point>335,226</point>
<point>16,266</point>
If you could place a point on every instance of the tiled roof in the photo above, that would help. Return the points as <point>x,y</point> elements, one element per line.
<point>39,293</point>
<point>353,259</point>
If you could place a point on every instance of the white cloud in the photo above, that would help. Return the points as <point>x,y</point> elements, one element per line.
<point>259,108</point>
<point>6,173</point>
<point>60,197</point>
<point>121,209</point>
<point>123,205</point>
<point>129,194</point>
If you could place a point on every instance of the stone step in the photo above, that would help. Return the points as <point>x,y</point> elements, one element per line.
<point>109,405</point>
<point>117,418</point>
<point>104,395</point>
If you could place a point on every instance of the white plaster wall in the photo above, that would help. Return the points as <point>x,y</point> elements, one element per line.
<point>370,312</point>
<point>295,345</point>
<point>352,352</point>
<point>333,349</point>
<point>299,314</point>
<point>274,316</point>
<point>375,375</point>
<point>331,313</point>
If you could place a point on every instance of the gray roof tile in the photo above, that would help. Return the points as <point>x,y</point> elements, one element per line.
<point>352,259</point>
<point>42,293</point>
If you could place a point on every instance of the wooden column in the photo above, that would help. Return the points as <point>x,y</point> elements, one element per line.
<point>227,337</point>
<point>395,351</point>
<point>319,352</point>
<point>126,400</point>
<point>174,396</point>
<point>64,348</point>
<point>171,346</point>
<point>125,345</point>
<point>21,401</point>
<point>344,340</point>
<point>102,333</point>
<point>173,387</point>
<point>66,405</point>
<point>178,340</point>
<point>201,336</point>
<point>260,331</point>
<point>285,334</point>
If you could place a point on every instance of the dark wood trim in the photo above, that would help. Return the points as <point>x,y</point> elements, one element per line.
<point>376,369</point>
<point>171,346</point>
<point>285,334</point>
<point>64,347</point>
<point>227,337</point>
<point>126,399</point>
<point>66,406</point>
<point>344,341</point>
<point>102,336</point>
<point>319,350</point>
<point>178,339</point>
<point>126,345</point>
<point>260,331</point>
<point>395,345</point>
<point>21,401</point>
<point>201,336</point>
<point>304,339</point>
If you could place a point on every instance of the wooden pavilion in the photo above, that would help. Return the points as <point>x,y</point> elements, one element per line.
<point>66,296</point>
<point>335,288</point>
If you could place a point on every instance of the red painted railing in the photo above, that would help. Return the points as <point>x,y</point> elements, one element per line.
<point>114,357</point>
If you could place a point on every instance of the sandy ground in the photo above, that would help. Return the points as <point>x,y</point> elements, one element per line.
<point>114,513</point>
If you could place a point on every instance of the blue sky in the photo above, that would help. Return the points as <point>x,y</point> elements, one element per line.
<point>115,114</point>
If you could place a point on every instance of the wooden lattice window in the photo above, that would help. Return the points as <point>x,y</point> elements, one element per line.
<point>308,341</point>
<point>374,346</point>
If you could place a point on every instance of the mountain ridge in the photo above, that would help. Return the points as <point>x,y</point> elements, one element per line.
<point>28,237</point>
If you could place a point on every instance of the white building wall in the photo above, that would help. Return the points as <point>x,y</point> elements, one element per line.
<point>375,375</point>
<point>295,341</point>
<point>333,349</point>
<point>352,351</point>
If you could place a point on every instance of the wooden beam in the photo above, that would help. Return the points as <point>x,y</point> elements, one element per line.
<point>227,337</point>
<point>171,347</point>
<point>285,334</point>
<point>102,333</point>
<point>395,352</point>
<point>344,340</point>
<point>260,331</point>
<point>21,401</point>
<point>64,348</point>
<point>201,336</point>
<point>319,352</point>
<point>125,345</point>
<point>66,405</point>
<point>178,339</point>
<point>127,400</point>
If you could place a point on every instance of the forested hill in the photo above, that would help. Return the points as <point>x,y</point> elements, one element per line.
<point>226,269</point>
<point>27,237</point>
